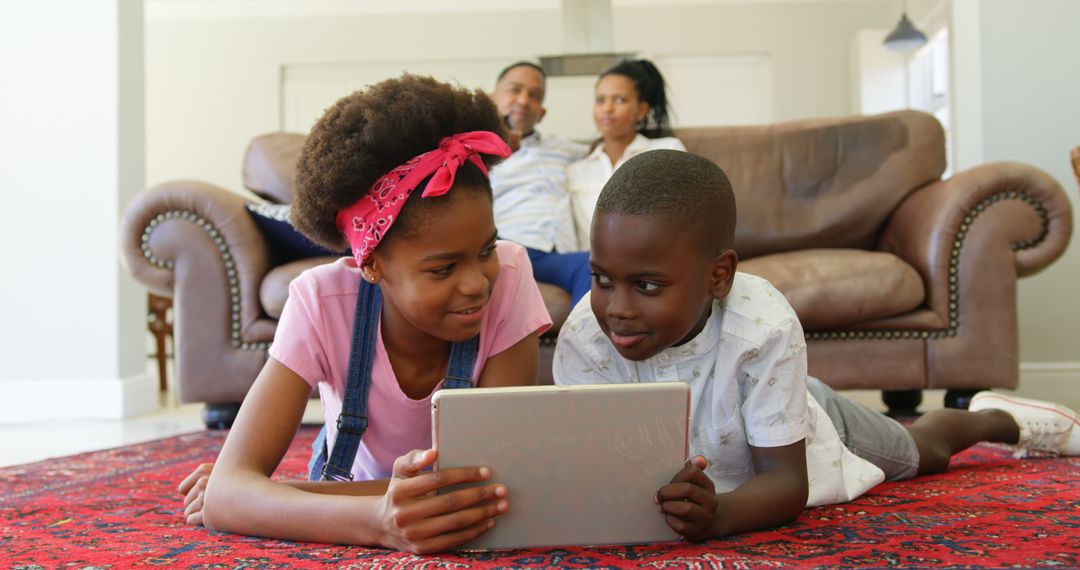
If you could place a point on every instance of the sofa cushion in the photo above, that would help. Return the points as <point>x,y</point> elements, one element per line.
<point>270,164</point>
<point>275,286</point>
<point>834,288</point>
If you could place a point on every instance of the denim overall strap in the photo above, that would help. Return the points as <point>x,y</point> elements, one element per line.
<point>462,360</point>
<point>352,422</point>
<point>353,419</point>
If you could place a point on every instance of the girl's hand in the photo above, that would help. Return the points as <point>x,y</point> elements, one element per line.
<point>414,519</point>
<point>193,487</point>
<point>689,501</point>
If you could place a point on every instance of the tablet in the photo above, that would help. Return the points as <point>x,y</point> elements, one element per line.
<point>581,464</point>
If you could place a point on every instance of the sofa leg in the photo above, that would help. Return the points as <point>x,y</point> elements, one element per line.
<point>901,403</point>
<point>219,416</point>
<point>959,399</point>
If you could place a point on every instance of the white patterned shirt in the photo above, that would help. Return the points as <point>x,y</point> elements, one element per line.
<point>747,376</point>
<point>586,178</point>
<point>531,204</point>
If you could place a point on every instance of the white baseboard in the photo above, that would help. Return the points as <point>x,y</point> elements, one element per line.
<point>1050,371</point>
<point>88,398</point>
<point>1055,381</point>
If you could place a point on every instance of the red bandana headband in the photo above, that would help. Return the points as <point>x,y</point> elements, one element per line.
<point>365,223</point>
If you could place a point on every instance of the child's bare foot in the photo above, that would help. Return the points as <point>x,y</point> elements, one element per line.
<point>1044,426</point>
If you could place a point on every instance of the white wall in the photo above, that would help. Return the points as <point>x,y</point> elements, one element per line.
<point>967,83</point>
<point>1030,89</point>
<point>71,108</point>
<point>927,15</point>
<point>702,90</point>
<point>809,42</point>
<point>879,76</point>
<point>213,82</point>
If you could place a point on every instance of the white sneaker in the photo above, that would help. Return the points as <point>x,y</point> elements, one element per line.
<point>1044,426</point>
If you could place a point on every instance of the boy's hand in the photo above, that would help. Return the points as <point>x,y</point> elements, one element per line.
<point>415,519</point>
<point>193,487</point>
<point>689,501</point>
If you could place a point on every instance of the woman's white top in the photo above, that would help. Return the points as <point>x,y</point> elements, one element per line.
<point>586,177</point>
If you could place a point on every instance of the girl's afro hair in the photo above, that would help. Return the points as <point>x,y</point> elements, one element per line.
<point>369,133</point>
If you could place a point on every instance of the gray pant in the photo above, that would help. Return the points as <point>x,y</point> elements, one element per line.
<point>871,435</point>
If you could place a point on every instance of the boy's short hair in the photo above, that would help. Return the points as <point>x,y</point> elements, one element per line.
<point>687,191</point>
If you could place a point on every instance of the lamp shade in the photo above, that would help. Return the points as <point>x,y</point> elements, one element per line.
<point>905,37</point>
<point>580,64</point>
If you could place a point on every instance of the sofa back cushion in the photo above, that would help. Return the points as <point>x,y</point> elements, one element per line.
<point>270,164</point>
<point>822,183</point>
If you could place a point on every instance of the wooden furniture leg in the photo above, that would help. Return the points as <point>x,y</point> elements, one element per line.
<point>157,319</point>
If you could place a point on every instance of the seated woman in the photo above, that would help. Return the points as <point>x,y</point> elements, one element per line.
<point>631,113</point>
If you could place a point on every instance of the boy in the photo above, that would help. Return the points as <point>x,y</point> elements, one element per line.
<point>766,441</point>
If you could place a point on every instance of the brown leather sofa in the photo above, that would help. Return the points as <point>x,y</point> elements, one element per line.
<point>903,281</point>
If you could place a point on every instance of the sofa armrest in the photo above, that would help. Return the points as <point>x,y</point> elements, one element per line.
<point>197,243</point>
<point>989,224</point>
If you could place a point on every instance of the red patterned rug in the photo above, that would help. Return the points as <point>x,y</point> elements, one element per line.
<point>119,509</point>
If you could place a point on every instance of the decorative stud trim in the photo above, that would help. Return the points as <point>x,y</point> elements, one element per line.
<point>226,258</point>
<point>954,264</point>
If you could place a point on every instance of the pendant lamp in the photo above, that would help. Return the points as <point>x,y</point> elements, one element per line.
<point>906,37</point>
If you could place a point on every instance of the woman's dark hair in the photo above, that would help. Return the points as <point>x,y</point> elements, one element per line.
<point>369,133</point>
<point>651,89</point>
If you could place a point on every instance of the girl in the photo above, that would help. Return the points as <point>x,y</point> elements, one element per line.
<point>399,172</point>
<point>630,111</point>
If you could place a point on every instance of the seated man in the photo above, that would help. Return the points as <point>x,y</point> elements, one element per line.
<point>532,205</point>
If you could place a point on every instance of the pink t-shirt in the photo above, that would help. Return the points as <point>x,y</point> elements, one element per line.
<point>314,336</point>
